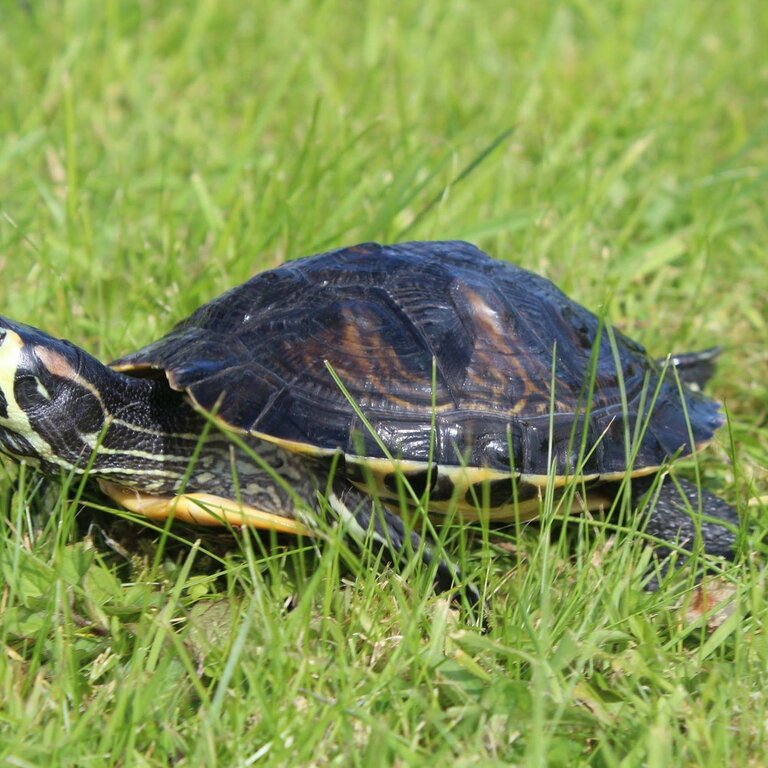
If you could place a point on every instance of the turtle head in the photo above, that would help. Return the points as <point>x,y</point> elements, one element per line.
<point>51,411</point>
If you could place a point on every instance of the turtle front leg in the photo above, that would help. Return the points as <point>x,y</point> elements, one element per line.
<point>368,523</point>
<point>675,517</point>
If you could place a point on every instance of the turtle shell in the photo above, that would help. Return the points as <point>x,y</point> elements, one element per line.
<point>450,356</point>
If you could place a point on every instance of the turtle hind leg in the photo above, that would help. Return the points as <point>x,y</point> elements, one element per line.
<point>675,517</point>
<point>695,368</point>
<point>368,523</point>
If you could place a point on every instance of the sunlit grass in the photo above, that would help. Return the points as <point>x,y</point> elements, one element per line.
<point>154,155</point>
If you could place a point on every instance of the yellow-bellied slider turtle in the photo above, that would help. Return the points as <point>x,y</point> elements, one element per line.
<point>480,382</point>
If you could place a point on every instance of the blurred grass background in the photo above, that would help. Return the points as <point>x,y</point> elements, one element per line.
<point>153,154</point>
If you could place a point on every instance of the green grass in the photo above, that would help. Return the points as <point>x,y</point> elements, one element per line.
<point>154,154</point>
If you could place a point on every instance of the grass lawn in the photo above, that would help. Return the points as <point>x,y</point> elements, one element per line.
<point>153,154</point>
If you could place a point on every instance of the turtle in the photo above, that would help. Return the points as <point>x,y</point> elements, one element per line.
<point>364,380</point>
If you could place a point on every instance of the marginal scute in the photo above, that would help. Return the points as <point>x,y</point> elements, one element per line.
<point>444,489</point>
<point>417,480</point>
<point>501,493</point>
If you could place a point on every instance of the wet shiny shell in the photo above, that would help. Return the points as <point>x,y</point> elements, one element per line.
<point>450,356</point>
